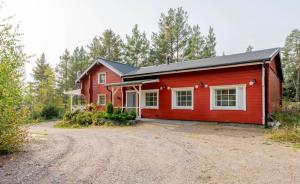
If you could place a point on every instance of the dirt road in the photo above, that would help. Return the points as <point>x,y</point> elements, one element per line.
<point>152,153</point>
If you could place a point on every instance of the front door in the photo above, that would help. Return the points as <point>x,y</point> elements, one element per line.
<point>131,101</point>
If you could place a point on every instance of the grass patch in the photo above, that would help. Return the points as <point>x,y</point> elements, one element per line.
<point>63,124</point>
<point>289,128</point>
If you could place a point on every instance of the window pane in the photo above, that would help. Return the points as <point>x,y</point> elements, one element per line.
<point>151,99</point>
<point>225,103</point>
<point>183,98</point>
<point>231,91</point>
<point>231,97</point>
<point>231,103</point>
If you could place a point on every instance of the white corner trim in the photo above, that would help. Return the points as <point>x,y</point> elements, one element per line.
<point>173,98</point>
<point>101,73</point>
<point>263,95</point>
<point>98,99</point>
<point>236,107</point>
<point>144,99</point>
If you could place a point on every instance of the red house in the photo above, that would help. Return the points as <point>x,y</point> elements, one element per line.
<point>241,88</point>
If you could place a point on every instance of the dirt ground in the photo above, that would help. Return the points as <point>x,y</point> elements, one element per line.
<point>151,153</point>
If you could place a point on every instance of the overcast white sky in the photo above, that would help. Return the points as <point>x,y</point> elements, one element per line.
<point>51,26</point>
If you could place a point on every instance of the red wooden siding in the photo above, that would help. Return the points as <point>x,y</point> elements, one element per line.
<point>274,87</point>
<point>230,76</point>
<point>92,95</point>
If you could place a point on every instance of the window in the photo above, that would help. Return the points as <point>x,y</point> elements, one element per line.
<point>182,98</point>
<point>101,99</point>
<point>231,97</point>
<point>101,78</point>
<point>150,98</point>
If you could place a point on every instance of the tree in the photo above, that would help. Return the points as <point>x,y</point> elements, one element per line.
<point>12,112</point>
<point>210,44</point>
<point>171,39</point>
<point>108,46</point>
<point>136,50</point>
<point>291,62</point>
<point>39,70</point>
<point>79,61</point>
<point>249,48</point>
<point>195,44</point>
<point>62,72</point>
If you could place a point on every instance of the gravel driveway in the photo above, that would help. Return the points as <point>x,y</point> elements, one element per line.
<point>152,153</point>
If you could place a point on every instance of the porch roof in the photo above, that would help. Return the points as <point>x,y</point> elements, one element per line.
<point>73,92</point>
<point>131,83</point>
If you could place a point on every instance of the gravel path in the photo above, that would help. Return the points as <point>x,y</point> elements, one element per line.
<point>151,153</point>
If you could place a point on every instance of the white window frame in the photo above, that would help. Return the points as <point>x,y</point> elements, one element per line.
<point>102,73</point>
<point>174,106</point>
<point>237,105</point>
<point>98,99</point>
<point>144,98</point>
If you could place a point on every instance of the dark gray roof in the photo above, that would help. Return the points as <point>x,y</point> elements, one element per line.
<point>117,67</point>
<point>242,58</point>
<point>127,71</point>
<point>120,67</point>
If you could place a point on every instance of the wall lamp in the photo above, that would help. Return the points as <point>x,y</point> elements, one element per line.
<point>252,82</point>
<point>163,87</point>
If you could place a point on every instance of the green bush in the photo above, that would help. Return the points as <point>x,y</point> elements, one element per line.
<point>98,118</point>
<point>289,129</point>
<point>49,112</point>
<point>132,115</point>
<point>84,118</point>
<point>109,108</point>
<point>118,110</point>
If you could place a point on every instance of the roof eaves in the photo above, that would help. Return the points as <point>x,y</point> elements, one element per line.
<point>195,68</point>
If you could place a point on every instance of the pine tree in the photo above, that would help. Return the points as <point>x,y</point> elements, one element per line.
<point>39,70</point>
<point>249,48</point>
<point>136,51</point>
<point>79,61</point>
<point>108,46</point>
<point>210,44</point>
<point>195,44</point>
<point>171,39</point>
<point>62,72</point>
<point>291,63</point>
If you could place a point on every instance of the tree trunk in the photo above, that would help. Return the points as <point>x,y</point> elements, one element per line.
<point>297,86</point>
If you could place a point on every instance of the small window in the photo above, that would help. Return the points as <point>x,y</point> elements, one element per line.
<point>101,99</point>
<point>101,78</point>
<point>182,98</point>
<point>231,97</point>
<point>150,98</point>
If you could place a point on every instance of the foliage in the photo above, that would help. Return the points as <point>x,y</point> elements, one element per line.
<point>90,107</point>
<point>289,129</point>
<point>50,111</point>
<point>84,118</point>
<point>172,36</point>
<point>291,64</point>
<point>108,46</point>
<point>210,44</point>
<point>12,113</point>
<point>98,118</point>
<point>195,45</point>
<point>118,110</point>
<point>109,108</point>
<point>136,49</point>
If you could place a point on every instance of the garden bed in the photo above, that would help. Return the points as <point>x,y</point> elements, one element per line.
<point>91,116</point>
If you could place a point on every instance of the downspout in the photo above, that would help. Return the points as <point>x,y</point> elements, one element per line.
<point>264,95</point>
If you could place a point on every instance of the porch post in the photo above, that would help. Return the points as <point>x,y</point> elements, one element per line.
<point>140,98</point>
<point>112,94</point>
<point>71,101</point>
<point>122,98</point>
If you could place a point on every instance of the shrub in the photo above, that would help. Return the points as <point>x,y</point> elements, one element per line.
<point>98,118</point>
<point>84,118</point>
<point>49,111</point>
<point>90,107</point>
<point>109,108</point>
<point>118,110</point>
<point>132,115</point>
<point>289,129</point>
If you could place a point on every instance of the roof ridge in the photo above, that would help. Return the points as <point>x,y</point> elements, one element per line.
<point>193,60</point>
<point>115,61</point>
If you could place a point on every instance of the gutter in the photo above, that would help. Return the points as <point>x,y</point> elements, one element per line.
<point>264,99</point>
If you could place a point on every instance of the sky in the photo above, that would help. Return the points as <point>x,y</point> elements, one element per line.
<point>51,26</point>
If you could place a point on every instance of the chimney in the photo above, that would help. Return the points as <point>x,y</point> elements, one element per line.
<point>168,59</point>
